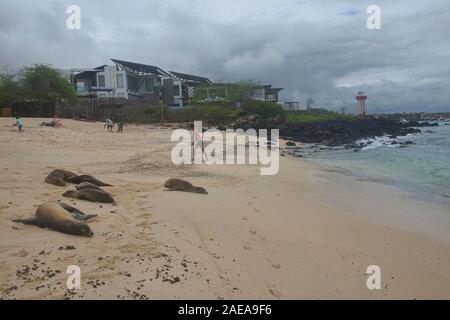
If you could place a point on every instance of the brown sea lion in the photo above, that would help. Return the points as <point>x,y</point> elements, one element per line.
<point>90,195</point>
<point>60,217</point>
<point>88,185</point>
<point>181,185</point>
<point>87,178</point>
<point>59,177</point>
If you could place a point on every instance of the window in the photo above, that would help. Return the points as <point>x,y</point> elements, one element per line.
<point>101,80</point>
<point>148,85</point>
<point>120,83</point>
<point>132,83</point>
<point>81,86</point>
<point>270,97</point>
<point>120,95</point>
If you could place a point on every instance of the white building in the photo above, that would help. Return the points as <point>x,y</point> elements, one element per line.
<point>132,81</point>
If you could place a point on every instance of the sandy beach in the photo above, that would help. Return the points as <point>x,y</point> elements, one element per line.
<point>308,232</point>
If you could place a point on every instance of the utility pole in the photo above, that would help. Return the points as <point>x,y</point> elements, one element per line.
<point>161,103</point>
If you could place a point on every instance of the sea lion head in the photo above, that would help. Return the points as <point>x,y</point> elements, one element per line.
<point>200,190</point>
<point>69,193</point>
<point>78,228</point>
<point>84,230</point>
<point>59,182</point>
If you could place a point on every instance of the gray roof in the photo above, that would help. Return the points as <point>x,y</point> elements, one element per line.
<point>140,69</point>
<point>190,77</point>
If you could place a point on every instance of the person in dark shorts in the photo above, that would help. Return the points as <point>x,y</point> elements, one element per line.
<point>109,125</point>
<point>120,127</point>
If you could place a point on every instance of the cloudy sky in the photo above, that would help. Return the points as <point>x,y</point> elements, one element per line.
<point>312,48</point>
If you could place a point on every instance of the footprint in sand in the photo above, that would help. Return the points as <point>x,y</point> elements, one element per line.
<point>21,253</point>
<point>273,290</point>
<point>252,231</point>
<point>255,210</point>
<point>276,265</point>
<point>247,247</point>
<point>275,293</point>
<point>141,224</point>
<point>245,218</point>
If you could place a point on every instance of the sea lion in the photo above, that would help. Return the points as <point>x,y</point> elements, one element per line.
<point>87,178</point>
<point>59,177</point>
<point>61,217</point>
<point>181,185</point>
<point>87,185</point>
<point>90,195</point>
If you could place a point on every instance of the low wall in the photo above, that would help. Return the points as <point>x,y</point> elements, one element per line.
<point>132,111</point>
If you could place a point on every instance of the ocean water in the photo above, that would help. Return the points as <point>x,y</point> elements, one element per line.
<point>422,168</point>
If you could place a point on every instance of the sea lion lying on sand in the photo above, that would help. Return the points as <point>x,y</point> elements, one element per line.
<point>181,185</point>
<point>87,186</point>
<point>90,195</point>
<point>87,178</point>
<point>59,177</point>
<point>61,217</point>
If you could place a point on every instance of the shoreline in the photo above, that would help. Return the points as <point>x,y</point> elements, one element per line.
<point>420,203</point>
<point>302,234</point>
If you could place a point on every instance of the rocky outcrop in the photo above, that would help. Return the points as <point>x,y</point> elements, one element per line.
<point>331,133</point>
<point>338,133</point>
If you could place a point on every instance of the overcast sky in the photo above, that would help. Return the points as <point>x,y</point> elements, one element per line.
<point>312,48</point>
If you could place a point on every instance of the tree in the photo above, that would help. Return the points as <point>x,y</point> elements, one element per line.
<point>46,85</point>
<point>10,89</point>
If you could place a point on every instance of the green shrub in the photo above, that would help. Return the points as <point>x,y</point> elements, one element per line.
<point>315,116</point>
<point>211,113</point>
<point>263,109</point>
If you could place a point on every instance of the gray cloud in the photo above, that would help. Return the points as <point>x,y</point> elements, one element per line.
<point>320,49</point>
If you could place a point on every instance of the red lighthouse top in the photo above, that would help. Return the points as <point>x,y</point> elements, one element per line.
<point>361,96</point>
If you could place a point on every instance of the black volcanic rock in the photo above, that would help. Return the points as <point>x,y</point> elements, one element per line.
<point>338,133</point>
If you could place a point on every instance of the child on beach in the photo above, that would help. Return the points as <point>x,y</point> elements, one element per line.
<point>19,124</point>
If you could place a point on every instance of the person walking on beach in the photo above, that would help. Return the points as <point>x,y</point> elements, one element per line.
<point>120,127</point>
<point>19,124</point>
<point>197,143</point>
<point>109,125</point>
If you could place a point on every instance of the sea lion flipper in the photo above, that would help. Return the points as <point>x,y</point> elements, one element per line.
<point>77,214</point>
<point>27,221</point>
<point>88,178</point>
<point>82,217</point>
<point>90,216</point>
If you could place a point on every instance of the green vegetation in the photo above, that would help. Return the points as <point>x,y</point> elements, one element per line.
<point>233,92</point>
<point>35,90</point>
<point>10,89</point>
<point>46,84</point>
<point>211,112</point>
<point>263,109</point>
<point>317,115</point>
